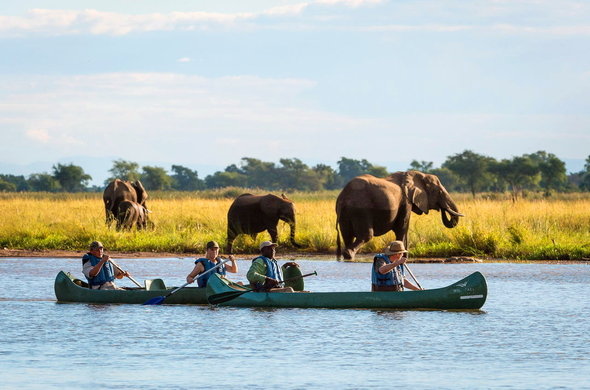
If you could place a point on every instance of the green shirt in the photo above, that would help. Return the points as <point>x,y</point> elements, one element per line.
<point>257,271</point>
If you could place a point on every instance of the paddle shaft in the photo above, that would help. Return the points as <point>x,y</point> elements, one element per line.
<point>201,274</point>
<point>129,276</point>
<point>228,296</point>
<point>412,275</point>
<point>300,276</point>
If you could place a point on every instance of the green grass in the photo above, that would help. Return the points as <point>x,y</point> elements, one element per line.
<point>493,227</point>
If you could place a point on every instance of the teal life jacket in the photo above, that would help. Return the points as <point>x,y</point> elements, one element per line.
<point>208,264</point>
<point>106,273</point>
<point>272,271</point>
<point>395,277</point>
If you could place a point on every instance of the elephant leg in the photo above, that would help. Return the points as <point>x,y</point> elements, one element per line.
<point>273,233</point>
<point>353,248</point>
<point>231,236</point>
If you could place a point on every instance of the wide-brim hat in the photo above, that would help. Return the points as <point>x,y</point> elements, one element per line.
<point>395,248</point>
<point>264,244</point>
<point>96,245</point>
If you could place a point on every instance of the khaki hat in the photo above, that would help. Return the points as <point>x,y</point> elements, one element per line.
<point>395,248</point>
<point>212,244</point>
<point>96,245</point>
<point>264,244</point>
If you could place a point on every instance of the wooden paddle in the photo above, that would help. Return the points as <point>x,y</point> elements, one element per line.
<point>160,299</point>
<point>129,276</point>
<point>412,275</point>
<point>216,299</point>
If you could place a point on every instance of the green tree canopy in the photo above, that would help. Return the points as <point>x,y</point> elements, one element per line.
<point>471,168</point>
<point>124,170</point>
<point>71,177</point>
<point>155,178</point>
<point>349,168</point>
<point>43,182</point>
<point>185,179</point>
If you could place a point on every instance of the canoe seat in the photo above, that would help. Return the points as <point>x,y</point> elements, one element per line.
<point>81,283</point>
<point>154,284</point>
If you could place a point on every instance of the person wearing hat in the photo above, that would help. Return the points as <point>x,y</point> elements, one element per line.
<point>209,261</point>
<point>388,270</point>
<point>265,274</point>
<point>99,271</point>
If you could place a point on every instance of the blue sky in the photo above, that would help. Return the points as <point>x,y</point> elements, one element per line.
<point>204,83</point>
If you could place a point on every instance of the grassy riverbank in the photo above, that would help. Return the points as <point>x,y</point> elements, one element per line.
<point>530,229</point>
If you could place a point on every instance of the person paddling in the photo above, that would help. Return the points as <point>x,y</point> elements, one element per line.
<point>210,260</point>
<point>388,270</point>
<point>99,271</point>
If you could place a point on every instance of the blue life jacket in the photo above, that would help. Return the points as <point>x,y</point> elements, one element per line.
<point>394,277</point>
<point>272,271</point>
<point>208,264</point>
<point>106,273</point>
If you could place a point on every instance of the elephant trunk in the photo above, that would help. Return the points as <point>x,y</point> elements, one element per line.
<point>453,220</point>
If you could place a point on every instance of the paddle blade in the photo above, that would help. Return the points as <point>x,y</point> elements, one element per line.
<point>155,301</point>
<point>224,296</point>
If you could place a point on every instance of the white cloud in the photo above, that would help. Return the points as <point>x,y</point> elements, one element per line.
<point>184,59</point>
<point>38,135</point>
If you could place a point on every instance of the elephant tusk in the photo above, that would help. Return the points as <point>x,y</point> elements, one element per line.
<point>454,213</point>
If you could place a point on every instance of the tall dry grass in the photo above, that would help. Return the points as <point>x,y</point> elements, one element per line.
<point>543,228</point>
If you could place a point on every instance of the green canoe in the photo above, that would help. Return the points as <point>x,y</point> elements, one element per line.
<point>468,293</point>
<point>68,289</point>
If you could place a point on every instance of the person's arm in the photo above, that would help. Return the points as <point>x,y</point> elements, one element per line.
<point>257,272</point>
<point>388,267</point>
<point>233,268</point>
<point>96,269</point>
<point>410,285</point>
<point>199,268</point>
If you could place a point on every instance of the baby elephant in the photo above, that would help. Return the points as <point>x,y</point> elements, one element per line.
<point>131,214</point>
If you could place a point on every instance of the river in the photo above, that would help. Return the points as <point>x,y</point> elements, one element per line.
<point>532,333</point>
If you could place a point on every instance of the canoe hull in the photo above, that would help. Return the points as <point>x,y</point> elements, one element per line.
<point>467,294</point>
<point>67,291</point>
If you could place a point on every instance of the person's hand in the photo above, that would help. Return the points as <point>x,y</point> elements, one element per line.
<point>270,283</point>
<point>190,279</point>
<point>290,264</point>
<point>106,257</point>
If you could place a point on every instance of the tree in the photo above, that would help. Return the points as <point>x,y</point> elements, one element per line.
<point>422,166</point>
<point>471,168</point>
<point>19,182</point>
<point>327,176</point>
<point>185,179</point>
<point>552,169</point>
<point>520,173</point>
<point>124,170</point>
<point>71,177</point>
<point>226,179</point>
<point>295,175</point>
<point>6,186</point>
<point>584,176</point>
<point>43,182</point>
<point>155,178</point>
<point>349,168</point>
<point>259,173</point>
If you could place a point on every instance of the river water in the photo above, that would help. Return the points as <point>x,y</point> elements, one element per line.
<point>532,333</point>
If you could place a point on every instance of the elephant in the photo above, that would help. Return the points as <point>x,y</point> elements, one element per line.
<point>131,214</point>
<point>368,207</point>
<point>118,191</point>
<point>252,214</point>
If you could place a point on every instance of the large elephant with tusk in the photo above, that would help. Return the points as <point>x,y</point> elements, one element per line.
<point>368,207</point>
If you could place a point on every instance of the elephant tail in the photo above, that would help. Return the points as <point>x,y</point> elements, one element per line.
<point>338,241</point>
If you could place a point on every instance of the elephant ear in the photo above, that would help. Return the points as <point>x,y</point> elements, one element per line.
<point>141,192</point>
<point>415,189</point>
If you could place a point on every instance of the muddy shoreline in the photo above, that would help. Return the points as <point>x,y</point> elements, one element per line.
<point>27,253</point>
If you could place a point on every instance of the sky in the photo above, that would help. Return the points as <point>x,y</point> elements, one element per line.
<point>204,83</point>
